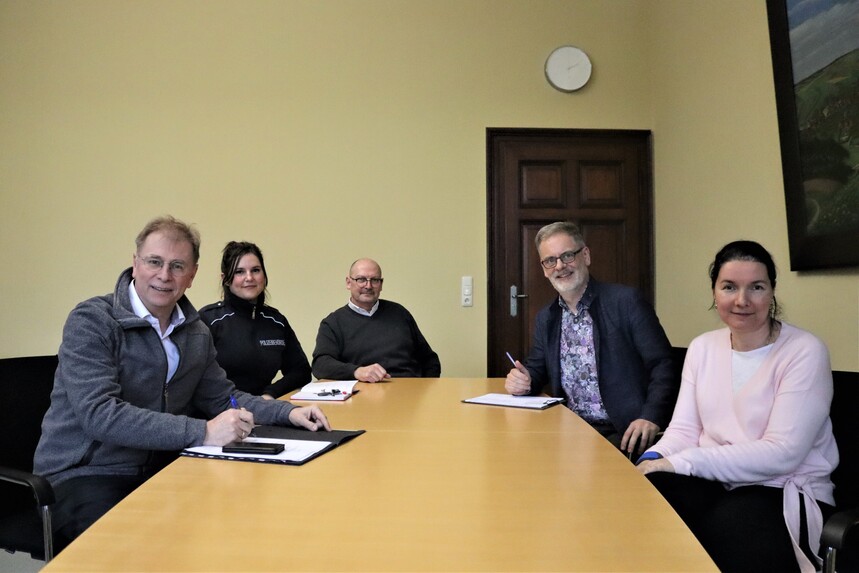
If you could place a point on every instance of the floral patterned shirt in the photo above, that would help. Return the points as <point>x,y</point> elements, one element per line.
<point>579,377</point>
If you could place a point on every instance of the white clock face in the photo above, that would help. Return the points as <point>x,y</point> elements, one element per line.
<point>568,68</point>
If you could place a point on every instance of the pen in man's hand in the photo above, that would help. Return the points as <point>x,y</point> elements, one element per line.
<point>518,367</point>
<point>235,406</point>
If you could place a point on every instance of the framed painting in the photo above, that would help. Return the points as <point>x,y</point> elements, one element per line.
<point>815,54</point>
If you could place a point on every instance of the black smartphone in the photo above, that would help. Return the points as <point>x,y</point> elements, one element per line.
<point>262,448</point>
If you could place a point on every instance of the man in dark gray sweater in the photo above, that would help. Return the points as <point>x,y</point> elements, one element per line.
<point>371,339</point>
<point>132,364</point>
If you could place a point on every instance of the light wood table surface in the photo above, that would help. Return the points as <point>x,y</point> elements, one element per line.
<point>433,485</point>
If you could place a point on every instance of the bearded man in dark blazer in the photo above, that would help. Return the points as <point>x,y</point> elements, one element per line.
<point>600,346</point>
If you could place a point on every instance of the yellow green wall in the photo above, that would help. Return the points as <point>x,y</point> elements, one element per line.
<point>328,130</point>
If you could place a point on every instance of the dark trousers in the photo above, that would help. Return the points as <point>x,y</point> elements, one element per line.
<point>609,432</point>
<point>82,500</point>
<point>742,529</point>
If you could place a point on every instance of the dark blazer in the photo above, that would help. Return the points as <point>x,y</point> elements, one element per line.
<point>634,362</point>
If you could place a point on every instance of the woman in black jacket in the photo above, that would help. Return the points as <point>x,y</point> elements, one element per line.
<point>253,340</point>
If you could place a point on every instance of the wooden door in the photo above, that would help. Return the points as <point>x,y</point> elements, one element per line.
<point>599,179</point>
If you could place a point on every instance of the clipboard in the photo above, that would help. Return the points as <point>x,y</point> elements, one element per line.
<point>511,401</point>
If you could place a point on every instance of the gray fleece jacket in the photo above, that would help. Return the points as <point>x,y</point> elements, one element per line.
<point>110,408</point>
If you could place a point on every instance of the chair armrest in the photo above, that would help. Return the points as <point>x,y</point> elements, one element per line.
<point>40,487</point>
<point>837,527</point>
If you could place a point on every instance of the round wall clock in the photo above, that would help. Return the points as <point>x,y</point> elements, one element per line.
<point>568,68</point>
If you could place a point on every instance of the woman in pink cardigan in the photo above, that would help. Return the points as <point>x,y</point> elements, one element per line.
<point>747,456</point>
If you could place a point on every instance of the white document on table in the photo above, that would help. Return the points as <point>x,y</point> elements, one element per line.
<point>336,391</point>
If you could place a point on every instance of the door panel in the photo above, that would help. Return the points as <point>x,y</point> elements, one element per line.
<point>599,179</point>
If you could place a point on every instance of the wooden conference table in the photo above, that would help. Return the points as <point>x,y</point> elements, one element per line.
<point>433,485</point>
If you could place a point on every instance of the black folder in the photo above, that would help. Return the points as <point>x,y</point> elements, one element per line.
<point>334,438</point>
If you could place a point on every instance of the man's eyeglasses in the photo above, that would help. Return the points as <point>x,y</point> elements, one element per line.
<point>363,280</point>
<point>565,258</point>
<point>154,264</point>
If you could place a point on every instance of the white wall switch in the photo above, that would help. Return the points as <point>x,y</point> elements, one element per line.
<point>467,291</point>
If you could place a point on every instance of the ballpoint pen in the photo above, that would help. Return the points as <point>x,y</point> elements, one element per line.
<point>515,367</point>
<point>235,405</point>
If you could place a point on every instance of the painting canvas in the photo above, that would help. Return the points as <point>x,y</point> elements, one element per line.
<point>815,51</point>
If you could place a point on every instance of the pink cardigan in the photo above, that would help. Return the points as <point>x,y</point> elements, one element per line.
<point>775,432</point>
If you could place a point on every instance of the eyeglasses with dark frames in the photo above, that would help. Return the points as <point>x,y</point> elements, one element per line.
<point>565,258</point>
<point>375,281</point>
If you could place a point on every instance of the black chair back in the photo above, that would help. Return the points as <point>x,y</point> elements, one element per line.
<point>25,394</point>
<point>845,426</point>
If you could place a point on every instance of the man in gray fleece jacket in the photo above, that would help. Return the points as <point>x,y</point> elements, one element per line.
<point>132,365</point>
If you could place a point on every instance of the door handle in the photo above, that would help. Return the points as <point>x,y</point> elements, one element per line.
<point>514,300</point>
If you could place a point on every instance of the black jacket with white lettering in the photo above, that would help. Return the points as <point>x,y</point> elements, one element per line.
<point>254,341</point>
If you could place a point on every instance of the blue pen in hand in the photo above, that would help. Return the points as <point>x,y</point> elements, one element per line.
<point>512,361</point>
<point>235,406</point>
